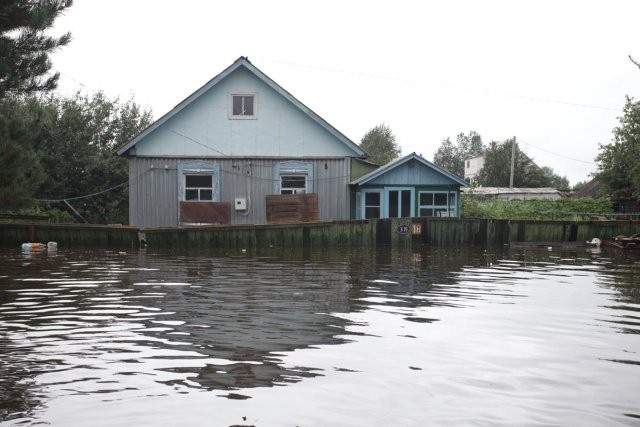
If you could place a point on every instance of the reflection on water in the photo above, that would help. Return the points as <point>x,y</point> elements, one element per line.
<point>380,337</point>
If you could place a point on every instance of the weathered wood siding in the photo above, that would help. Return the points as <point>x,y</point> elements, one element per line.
<point>154,196</point>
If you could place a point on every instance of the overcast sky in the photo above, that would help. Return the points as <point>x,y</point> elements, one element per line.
<point>552,73</point>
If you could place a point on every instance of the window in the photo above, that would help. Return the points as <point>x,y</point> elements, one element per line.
<point>400,203</point>
<point>243,106</point>
<point>198,187</point>
<point>372,204</point>
<point>292,177</point>
<point>293,184</point>
<point>437,203</point>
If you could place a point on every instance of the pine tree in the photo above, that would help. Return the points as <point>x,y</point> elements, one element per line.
<point>24,46</point>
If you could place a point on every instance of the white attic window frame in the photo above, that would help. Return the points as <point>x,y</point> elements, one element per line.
<point>242,114</point>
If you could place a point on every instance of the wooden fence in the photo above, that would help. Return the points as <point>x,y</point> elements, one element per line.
<point>358,233</point>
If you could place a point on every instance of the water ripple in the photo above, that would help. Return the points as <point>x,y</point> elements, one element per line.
<point>509,338</point>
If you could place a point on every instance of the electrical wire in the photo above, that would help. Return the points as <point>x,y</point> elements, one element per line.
<point>444,86</point>
<point>559,155</point>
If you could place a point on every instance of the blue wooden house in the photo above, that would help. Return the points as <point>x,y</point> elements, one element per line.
<point>406,187</point>
<point>239,150</point>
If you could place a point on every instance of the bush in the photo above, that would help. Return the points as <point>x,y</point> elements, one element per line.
<point>571,209</point>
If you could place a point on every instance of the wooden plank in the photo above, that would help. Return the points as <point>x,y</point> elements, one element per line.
<point>291,208</point>
<point>205,212</point>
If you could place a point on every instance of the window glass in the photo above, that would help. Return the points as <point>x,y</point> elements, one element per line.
<point>191,194</point>
<point>437,204</point>
<point>426,199</point>
<point>372,199</point>
<point>242,105</point>
<point>426,212</point>
<point>372,207</point>
<point>247,104</point>
<point>440,199</point>
<point>293,184</point>
<point>237,105</point>
<point>405,203</point>
<point>198,187</point>
<point>198,181</point>
<point>393,204</point>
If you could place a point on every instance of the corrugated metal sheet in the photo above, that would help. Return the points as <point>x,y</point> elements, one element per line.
<point>154,195</point>
<point>153,192</point>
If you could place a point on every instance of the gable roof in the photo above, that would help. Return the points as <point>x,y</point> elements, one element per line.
<point>401,161</point>
<point>242,62</point>
<point>593,188</point>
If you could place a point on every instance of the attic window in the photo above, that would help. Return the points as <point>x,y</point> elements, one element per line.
<point>243,106</point>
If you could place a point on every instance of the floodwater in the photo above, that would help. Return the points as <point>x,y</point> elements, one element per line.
<point>341,338</point>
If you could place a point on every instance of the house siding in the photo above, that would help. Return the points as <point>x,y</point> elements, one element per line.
<point>204,129</point>
<point>153,192</point>
<point>154,189</point>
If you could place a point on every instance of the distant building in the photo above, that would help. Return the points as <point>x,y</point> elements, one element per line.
<point>593,188</point>
<point>506,193</point>
<point>472,168</point>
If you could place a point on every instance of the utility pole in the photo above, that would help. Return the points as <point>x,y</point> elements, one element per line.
<point>513,161</point>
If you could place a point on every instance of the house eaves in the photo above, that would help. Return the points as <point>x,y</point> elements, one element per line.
<point>244,62</point>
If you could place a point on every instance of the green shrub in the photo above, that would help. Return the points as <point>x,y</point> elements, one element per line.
<point>571,209</point>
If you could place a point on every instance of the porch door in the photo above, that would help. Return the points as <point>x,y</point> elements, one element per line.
<point>399,203</point>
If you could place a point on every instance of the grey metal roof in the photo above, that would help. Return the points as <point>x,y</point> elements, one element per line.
<point>243,62</point>
<point>515,190</point>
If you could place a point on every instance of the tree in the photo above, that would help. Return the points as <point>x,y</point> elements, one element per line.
<point>380,144</point>
<point>452,156</point>
<point>619,161</point>
<point>579,185</point>
<point>79,156</point>
<point>73,140</point>
<point>556,181</point>
<point>497,168</point>
<point>20,170</point>
<point>24,48</point>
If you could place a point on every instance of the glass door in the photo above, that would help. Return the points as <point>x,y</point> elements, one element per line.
<point>399,203</point>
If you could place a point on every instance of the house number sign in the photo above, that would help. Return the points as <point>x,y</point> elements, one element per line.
<point>403,229</point>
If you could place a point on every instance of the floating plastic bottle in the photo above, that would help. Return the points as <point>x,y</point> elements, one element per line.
<point>37,247</point>
<point>32,247</point>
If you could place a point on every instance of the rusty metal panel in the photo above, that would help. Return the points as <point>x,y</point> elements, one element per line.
<point>292,208</point>
<point>205,212</point>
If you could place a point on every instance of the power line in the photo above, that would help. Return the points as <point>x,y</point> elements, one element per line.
<point>445,86</point>
<point>92,194</point>
<point>560,155</point>
<point>82,197</point>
